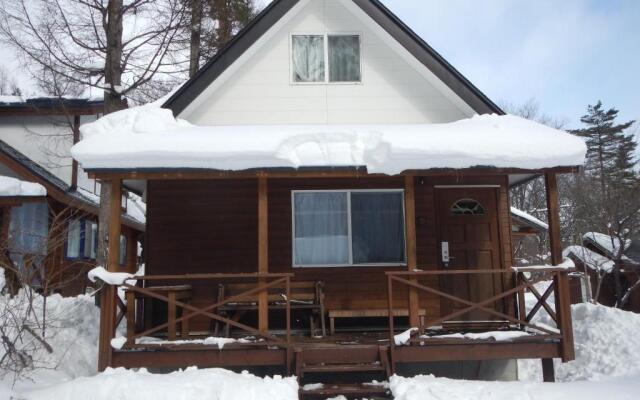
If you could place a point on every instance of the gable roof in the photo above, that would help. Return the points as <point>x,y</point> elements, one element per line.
<point>56,187</point>
<point>241,42</point>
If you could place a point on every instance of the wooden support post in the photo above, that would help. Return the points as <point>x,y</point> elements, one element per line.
<point>131,315</point>
<point>563,315</point>
<point>108,292</point>
<point>553,217</point>
<point>132,252</point>
<point>263,252</point>
<point>548,373</point>
<point>410,227</point>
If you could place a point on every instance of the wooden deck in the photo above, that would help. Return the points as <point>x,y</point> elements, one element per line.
<point>360,349</point>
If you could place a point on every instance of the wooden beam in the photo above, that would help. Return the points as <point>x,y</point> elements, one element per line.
<point>132,251</point>
<point>326,172</point>
<point>108,292</point>
<point>548,373</point>
<point>74,162</point>
<point>553,218</point>
<point>412,258</point>
<point>263,251</point>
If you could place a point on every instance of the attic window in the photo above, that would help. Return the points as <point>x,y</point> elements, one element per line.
<point>467,207</point>
<point>332,58</point>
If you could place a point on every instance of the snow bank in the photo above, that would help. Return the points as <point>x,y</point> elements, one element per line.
<point>72,331</point>
<point>606,343</point>
<point>431,388</point>
<point>190,384</point>
<point>15,187</point>
<point>149,137</point>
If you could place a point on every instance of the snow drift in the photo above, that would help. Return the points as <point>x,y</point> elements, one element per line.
<point>15,187</point>
<point>149,137</point>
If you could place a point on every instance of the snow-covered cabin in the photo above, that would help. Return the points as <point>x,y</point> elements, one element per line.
<point>329,146</point>
<point>36,136</point>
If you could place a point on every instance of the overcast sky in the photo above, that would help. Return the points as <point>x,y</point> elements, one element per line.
<point>563,53</point>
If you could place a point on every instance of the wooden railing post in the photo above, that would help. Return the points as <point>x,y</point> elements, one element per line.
<point>563,314</point>
<point>108,293</point>
<point>412,263</point>
<point>263,252</point>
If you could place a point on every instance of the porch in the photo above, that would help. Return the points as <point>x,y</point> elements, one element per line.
<point>510,334</point>
<point>469,305</point>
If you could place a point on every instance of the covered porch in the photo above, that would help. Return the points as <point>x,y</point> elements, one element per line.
<point>262,319</point>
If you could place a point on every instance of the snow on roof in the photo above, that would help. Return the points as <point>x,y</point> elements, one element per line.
<point>530,218</point>
<point>608,244</point>
<point>590,258</point>
<point>150,137</point>
<point>12,187</point>
<point>11,99</point>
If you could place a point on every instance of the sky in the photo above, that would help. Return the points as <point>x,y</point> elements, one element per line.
<point>563,54</point>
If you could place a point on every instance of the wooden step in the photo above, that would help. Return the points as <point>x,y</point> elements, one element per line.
<point>356,390</point>
<point>338,368</point>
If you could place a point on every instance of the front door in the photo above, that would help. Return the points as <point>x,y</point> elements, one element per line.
<point>469,239</point>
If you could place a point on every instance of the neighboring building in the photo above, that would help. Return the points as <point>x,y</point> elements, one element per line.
<point>35,138</point>
<point>529,238</point>
<point>332,167</point>
<point>597,257</point>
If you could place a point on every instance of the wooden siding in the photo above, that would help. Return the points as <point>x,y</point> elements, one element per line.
<point>206,226</point>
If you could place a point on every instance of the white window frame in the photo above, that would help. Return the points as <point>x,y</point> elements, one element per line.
<point>349,233</point>
<point>325,35</point>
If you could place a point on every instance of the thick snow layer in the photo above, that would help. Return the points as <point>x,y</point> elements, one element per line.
<point>403,338</point>
<point>190,384</point>
<point>430,388</point>
<point>590,258</point>
<point>528,217</point>
<point>606,343</point>
<point>112,278</point>
<point>607,243</point>
<point>149,137</point>
<point>10,187</point>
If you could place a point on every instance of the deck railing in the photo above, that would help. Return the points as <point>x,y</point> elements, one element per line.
<point>143,287</point>
<point>518,318</point>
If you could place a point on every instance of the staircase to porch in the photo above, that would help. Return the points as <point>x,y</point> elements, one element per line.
<point>342,369</point>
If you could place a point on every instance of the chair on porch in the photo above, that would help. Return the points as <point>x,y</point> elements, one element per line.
<point>304,295</point>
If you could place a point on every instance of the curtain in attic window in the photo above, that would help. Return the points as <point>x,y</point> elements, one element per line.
<point>308,58</point>
<point>377,226</point>
<point>74,237</point>
<point>321,228</point>
<point>344,58</point>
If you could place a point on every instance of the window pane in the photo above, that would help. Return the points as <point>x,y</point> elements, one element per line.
<point>94,240</point>
<point>123,250</point>
<point>88,248</point>
<point>377,226</point>
<point>307,58</point>
<point>344,58</point>
<point>28,229</point>
<point>321,228</point>
<point>73,239</point>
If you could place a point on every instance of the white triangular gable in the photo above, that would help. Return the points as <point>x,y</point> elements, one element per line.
<point>395,88</point>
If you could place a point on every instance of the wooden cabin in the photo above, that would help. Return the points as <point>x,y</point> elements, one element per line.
<point>282,226</point>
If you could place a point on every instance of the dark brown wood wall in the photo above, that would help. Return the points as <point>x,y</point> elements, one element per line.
<point>211,226</point>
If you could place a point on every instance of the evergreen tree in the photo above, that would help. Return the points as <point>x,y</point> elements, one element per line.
<point>611,152</point>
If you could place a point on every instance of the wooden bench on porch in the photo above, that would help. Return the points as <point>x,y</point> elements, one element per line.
<point>303,295</point>
<point>368,313</point>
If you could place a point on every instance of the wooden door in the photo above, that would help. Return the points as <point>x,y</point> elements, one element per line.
<point>468,223</point>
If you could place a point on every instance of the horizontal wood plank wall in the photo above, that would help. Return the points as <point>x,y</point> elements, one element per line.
<point>211,225</point>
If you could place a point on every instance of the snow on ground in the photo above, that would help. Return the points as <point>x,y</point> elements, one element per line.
<point>149,137</point>
<point>607,344</point>
<point>72,332</point>
<point>190,384</point>
<point>430,388</point>
<point>15,187</point>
